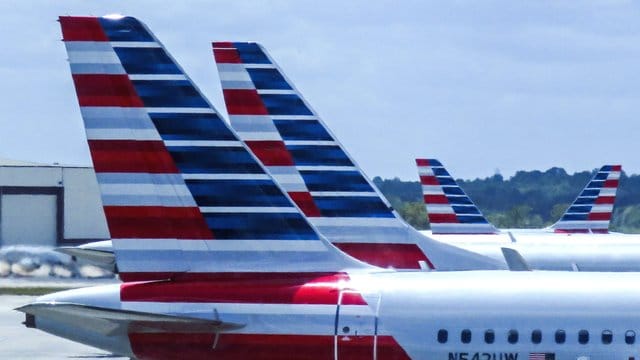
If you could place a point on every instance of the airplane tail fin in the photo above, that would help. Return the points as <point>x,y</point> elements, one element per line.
<point>183,196</point>
<point>302,154</point>
<point>449,209</point>
<point>591,210</point>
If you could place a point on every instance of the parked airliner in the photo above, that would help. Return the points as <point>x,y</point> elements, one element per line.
<point>451,211</point>
<point>218,262</point>
<point>578,241</point>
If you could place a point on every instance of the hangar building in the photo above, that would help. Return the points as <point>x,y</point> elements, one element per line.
<point>49,205</point>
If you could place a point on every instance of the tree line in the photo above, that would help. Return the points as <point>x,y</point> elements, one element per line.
<point>528,199</point>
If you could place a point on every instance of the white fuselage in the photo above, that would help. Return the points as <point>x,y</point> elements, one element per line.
<point>411,308</point>
<point>551,251</point>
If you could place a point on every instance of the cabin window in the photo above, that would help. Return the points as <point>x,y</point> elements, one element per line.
<point>465,336</point>
<point>512,336</point>
<point>630,337</point>
<point>443,336</point>
<point>607,337</point>
<point>583,337</point>
<point>536,336</point>
<point>489,336</point>
<point>561,336</point>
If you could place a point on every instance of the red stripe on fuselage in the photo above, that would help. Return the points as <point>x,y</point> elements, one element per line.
<point>106,90</point>
<point>399,256</point>
<point>262,346</point>
<point>581,231</point>
<point>156,222</point>
<point>271,152</point>
<point>244,102</point>
<point>82,28</point>
<point>131,156</point>
<point>267,288</point>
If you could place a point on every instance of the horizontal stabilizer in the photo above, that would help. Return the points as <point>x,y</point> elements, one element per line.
<point>131,321</point>
<point>99,253</point>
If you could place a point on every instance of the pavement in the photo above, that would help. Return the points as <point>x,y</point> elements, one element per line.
<point>20,342</point>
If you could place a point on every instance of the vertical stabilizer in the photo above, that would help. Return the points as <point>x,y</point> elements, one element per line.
<point>591,210</point>
<point>449,209</point>
<point>181,193</point>
<point>297,148</point>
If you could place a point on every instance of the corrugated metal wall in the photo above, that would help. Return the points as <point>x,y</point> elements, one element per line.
<point>50,205</point>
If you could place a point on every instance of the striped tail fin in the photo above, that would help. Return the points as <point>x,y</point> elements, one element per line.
<point>302,154</point>
<point>591,210</point>
<point>183,196</point>
<point>450,210</point>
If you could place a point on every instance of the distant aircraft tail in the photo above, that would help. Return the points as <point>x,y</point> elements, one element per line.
<point>183,196</point>
<point>302,154</point>
<point>591,210</point>
<point>449,209</point>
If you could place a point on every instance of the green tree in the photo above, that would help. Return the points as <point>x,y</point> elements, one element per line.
<point>557,211</point>
<point>415,214</point>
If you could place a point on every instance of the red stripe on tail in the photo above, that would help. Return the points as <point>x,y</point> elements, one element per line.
<point>599,216</point>
<point>443,218</point>
<point>106,90</point>
<point>76,28</point>
<point>131,156</point>
<point>605,200</point>
<point>429,180</point>
<point>435,199</point>
<point>305,202</point>
<point>271,153</point>
<point>227,56</point>
<point>156,222</point>
<point>244,102</point>
<point>399,256</point>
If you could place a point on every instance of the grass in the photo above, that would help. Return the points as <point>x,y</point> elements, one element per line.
<point>30,291</point>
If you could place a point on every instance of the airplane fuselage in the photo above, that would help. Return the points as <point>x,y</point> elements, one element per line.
<point>550,251</point>
<point>386,315</point>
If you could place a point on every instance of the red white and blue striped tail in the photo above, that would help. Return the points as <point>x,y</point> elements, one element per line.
<point>591,210</point>
<point>182,194</point>
<point>449,209</point>
<point>306,159</point>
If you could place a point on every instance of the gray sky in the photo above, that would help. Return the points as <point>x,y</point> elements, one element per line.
<point>481,85</point>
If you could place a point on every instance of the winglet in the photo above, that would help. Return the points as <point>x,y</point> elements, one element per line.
<point>514,260</point>
<point>449,209</point>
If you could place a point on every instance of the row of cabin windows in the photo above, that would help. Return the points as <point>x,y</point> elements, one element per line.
<point>560,336</point>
